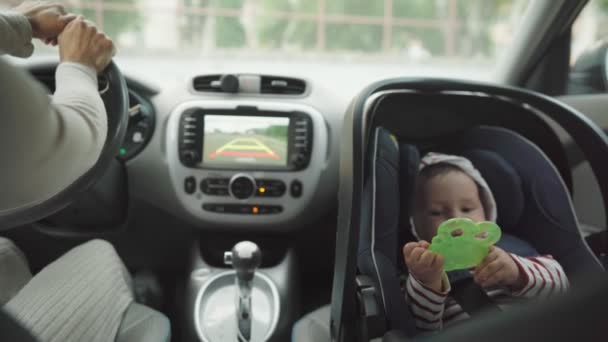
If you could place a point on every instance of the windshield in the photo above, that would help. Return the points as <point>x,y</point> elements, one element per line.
<point>461,38</point>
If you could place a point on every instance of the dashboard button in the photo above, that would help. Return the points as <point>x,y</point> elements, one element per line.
<point>189,156</point>
<point>216,208</point>
<point>190,185</point>
<point>217,192</point>
<point>221,181</point>
<point>215,186</point>
<point>205,186</point>
<point>270,188</point>
<point>221,192</point>
<point>296,188</point>
<point>299,159</point>
<point>242,209</point>
<point>275,209</point>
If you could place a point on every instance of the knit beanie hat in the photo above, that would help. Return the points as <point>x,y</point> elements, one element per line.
<point>465,165</point>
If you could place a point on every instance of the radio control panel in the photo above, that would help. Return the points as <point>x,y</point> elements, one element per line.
<point>241,186</point>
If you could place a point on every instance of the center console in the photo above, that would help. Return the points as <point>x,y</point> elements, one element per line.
<point>249,296</point>
<point>247,164</point>
<point>253,165</point>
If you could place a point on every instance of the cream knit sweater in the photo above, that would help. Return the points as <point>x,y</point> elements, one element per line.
<point>46,143</point>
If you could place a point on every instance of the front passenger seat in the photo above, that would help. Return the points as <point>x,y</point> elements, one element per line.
<point>84,295</point>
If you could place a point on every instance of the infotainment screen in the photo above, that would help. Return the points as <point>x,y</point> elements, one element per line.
<point>236,141</point>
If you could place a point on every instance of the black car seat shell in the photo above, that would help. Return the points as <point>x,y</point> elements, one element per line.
<point>429,113</point>
<point>535,210</point>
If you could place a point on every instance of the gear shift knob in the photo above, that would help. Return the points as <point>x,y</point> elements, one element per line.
<point>246,258</point>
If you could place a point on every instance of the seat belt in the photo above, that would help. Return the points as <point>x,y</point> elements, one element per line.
<point>471,297</point>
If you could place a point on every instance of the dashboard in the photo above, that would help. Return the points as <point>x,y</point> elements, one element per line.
<point>238,189</point>
<point>241,152</point>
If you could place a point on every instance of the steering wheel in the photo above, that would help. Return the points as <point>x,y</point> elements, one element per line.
<point>116,100</point>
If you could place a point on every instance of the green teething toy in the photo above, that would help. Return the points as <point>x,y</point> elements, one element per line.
<point>467,249</point>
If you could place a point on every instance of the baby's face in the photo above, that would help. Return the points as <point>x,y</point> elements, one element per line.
<point>445,196</point>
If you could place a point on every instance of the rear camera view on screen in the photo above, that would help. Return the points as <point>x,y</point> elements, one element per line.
<point>233,141</point>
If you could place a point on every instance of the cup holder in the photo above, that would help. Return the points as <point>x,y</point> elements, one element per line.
<point>215,308</point>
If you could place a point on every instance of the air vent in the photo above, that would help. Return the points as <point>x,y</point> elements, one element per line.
<point>282,85</point>
<point>207,83</point>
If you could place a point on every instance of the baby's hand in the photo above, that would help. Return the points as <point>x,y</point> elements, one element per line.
<point>423,264</point>
<point>498,269</point>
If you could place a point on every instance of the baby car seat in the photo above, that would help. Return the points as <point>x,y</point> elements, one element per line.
<point>534,206</point>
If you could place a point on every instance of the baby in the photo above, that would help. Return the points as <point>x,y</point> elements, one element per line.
<point>447,187</point>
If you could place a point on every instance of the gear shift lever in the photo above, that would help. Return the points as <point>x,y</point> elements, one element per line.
<point>245,258</point>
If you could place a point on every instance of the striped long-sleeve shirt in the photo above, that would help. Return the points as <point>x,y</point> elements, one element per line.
<point>543,276</point>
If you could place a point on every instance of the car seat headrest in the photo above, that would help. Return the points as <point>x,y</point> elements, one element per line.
<point>501,176</point>
<point>505,183</point>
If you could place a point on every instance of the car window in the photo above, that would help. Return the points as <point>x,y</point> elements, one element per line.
<point>462,38</point>
<point>590,27</point>
<point>589,50</point>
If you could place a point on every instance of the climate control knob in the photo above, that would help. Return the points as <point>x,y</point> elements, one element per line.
<point>242,186</point>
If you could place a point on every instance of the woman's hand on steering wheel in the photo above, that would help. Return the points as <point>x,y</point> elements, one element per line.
<point>47,20</point>
<point>81,42</point>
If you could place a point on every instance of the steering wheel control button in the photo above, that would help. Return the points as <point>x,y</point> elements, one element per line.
<point>295,189</point>
<point>270,188</point>
<point>138,137</point>
<point>242,186</point>
<point>190,185</point>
